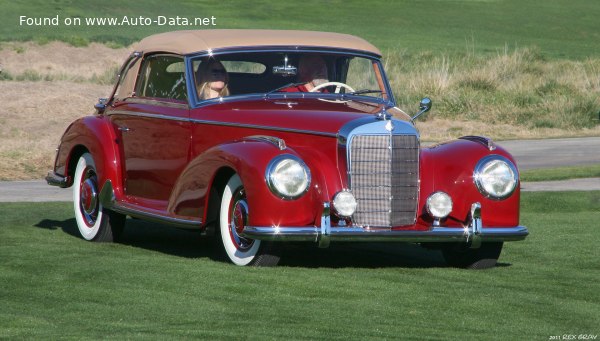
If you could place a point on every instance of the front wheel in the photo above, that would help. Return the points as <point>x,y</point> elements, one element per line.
<point>232,220</point>
<point>94,222</point>
<point>461,256</point>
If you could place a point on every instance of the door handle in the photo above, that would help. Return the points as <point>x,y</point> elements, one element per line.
<point>124,129</point>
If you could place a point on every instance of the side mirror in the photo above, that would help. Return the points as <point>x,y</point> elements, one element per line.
<point>424,107</point>
<point>101,105</point>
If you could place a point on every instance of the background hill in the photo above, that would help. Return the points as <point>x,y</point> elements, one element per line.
<point>559,28</point>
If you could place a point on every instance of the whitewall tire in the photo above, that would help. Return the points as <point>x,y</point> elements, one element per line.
<point>94,222</point>
<point>233,218</point>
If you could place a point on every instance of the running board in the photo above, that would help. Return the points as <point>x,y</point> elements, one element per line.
<point>108,200</point>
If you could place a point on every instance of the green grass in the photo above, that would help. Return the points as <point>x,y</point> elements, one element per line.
<point>162,283</point>
<point>560,28</point>
<point>561,173</point>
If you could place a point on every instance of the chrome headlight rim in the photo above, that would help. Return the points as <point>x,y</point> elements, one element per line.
<point>271,168</point>
<point>428,204</point>
<point>479,167</point>
<point>336,209</point>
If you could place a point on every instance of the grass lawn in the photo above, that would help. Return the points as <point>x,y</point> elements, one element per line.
<point>560,28</point>
<point>561,173</point>
<point>162,283</point>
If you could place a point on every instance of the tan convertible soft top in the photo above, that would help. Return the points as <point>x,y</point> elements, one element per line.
<point>186,42</point>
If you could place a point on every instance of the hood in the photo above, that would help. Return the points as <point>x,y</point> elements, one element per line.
<point>304,114</point>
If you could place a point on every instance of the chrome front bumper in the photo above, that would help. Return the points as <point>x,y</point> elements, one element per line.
<point>473,234</point>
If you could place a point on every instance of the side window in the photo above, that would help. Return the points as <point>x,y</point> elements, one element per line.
<point>162,77</point>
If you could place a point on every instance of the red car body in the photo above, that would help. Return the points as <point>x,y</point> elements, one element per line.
<point>169,160</point>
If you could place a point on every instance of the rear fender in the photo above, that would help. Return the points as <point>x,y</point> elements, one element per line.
<point>94,134</point>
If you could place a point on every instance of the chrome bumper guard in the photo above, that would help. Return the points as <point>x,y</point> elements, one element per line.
<point>473,234</point>
<point>57,180</point>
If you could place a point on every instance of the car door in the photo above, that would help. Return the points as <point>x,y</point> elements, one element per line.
<point>154,130</point>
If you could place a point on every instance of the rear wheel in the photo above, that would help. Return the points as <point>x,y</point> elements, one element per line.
<point>460,255</point>
<point>94,222</point>
<point>233,219</point>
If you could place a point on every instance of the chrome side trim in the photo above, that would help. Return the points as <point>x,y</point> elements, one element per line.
<point>148,115</point>
<point>156,102</point>
<point>107,200</point>
<point>217,123</point>
<point>357,234</point>
<point>253,126</point>
<point>54,179</point>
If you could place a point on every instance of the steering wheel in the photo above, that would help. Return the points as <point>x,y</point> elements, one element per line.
<point>338,86</point>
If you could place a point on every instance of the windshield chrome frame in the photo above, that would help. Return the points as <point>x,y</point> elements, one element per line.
<point>195,102</point>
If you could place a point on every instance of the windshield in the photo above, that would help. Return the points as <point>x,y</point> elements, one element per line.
<point>302,73</point>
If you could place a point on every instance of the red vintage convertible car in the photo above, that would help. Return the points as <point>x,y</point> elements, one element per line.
<point>262,137</point>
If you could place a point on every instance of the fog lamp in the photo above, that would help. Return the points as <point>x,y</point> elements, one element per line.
<point>439,205</point>
<point>344,203</point>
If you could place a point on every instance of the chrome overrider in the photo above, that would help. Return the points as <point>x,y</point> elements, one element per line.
<point>473,234</point>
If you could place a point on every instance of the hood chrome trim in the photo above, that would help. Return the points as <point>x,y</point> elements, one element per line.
<point>218,123</point>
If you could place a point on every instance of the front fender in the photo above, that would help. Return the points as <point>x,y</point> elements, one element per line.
<point>94,134</point>
<point>248,158</point>
<point>449,167</point>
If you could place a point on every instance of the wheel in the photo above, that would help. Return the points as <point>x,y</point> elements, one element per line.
<point>94,222</point>
<point>337,85</point>
<point>460,255</point>
<point>233,218</point>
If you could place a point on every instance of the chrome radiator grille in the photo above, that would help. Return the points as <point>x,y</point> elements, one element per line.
<point>384,178</point>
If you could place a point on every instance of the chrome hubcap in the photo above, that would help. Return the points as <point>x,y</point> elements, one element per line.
<point>88,197</point>
<point>238,219</point>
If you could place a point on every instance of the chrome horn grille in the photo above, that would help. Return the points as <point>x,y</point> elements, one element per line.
<point>384,178</point>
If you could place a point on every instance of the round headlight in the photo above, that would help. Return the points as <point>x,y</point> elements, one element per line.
<point>439,205</point>
<point>344,203</point>
<point>288,177</point>
<point>496,177</point>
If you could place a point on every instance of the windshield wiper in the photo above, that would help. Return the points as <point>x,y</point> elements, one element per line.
<point>283,87</point>
<point>363,91</point>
